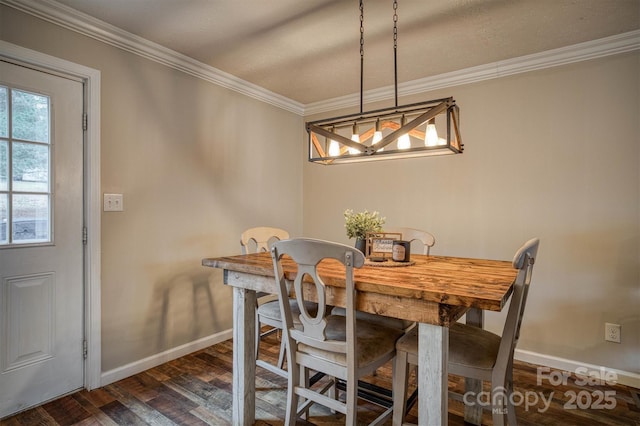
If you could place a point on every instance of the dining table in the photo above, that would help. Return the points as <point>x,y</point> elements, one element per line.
<point>433,291</point>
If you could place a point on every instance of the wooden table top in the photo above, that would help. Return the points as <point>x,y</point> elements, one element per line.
<point>445,280</point>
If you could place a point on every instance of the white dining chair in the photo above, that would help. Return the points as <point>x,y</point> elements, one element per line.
<point>424,239</point>
<point>474,352</point>
<point>260,239</point>
<point>257,240</point>
<point>336,345</point>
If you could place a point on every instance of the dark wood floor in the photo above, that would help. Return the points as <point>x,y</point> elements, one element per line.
<point>196,390</point>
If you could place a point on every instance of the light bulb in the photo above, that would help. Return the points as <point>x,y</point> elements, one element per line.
<point>334,148</point>
<point>377,135</point>
<point>356,138</point>
<point>431,135</point>
<point>403,141</point>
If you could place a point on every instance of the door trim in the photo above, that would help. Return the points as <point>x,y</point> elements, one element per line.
<point>91,80</point>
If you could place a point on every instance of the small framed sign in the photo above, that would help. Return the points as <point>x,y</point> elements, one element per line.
<point>380,244</point>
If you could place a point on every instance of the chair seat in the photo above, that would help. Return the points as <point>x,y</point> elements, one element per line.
<point>468,346</point>
<point>271,310</point>
<point>374,341</point>
<point>376,319</point>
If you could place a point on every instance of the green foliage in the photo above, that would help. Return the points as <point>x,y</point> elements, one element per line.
<point>30,161</point>
<point>359,224</point>
<point>4,165</point>
<point>29,122</point>
<point>4,114</point>
<point>30,116</point>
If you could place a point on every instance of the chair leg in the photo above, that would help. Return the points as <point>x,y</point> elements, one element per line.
<point>257,336</point>
<point>498,411</point>
<point>473,414</point>
<point>292,396</point>
<point>333,393</point>
<point>281,355</point>
<point>351,402</point>
<point>511,410</point>
<point>400,380</point>
<point>304,382</point>
<point>499,398</point>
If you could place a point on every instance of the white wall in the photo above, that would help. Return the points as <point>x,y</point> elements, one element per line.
<point>553,154</point>
<point>197,165</point>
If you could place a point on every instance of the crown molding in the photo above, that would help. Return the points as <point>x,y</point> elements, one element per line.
<point>89,26</point>
<point>599,48</point>
<point>54,12</point>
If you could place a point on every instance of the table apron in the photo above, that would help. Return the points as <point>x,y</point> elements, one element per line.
<point>410,309</point>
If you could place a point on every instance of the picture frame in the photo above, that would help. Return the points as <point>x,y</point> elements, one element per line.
<point>380,244</point>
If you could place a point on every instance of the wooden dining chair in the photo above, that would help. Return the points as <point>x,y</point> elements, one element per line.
<point>257,240</point>
<point>474,352</point>
<point>336,345</point>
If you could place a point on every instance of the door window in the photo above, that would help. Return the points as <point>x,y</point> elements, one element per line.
<point>25,172</point>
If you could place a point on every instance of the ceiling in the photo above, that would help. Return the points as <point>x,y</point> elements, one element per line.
<point>309,50</point>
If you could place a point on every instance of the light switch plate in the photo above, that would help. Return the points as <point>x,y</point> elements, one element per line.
<point>113,203</point>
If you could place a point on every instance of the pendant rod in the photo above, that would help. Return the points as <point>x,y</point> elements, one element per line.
<point>395,49</point>
<point>361,54</point>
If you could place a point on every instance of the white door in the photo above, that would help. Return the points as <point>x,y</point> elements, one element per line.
<point>41,237</point>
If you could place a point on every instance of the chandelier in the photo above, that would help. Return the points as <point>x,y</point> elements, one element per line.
<point>414,130</point>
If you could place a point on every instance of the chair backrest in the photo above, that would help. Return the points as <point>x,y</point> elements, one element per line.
<point>412,234</point>
<point>259,239</point>
<point>523,260</point>
<point>307,254</point>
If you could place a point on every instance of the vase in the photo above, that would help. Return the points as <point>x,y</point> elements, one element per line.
<point>361,244</point>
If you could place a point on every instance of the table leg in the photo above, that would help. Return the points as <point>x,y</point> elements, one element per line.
<point>244,356</point>
<point>475,317</point>
<point>433,391</point>
<point>473,414</point>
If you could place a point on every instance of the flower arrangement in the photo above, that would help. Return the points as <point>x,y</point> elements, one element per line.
<point>359,224</point>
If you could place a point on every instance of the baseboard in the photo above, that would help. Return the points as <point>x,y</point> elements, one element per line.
<point>125,371</point>
<point>626,378</point>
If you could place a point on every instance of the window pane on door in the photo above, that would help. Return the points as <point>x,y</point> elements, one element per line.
<point>4,219</point>
<point>30,167</point>
<point>30,116</point>
<point>4,113</point>
<point>25,168</point>
<point>30,218</point>
<point>4,166</point>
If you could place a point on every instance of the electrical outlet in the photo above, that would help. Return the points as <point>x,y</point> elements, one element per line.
<point>612,332</point>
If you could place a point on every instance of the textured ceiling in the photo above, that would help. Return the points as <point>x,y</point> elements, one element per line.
<point>308,50</point>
